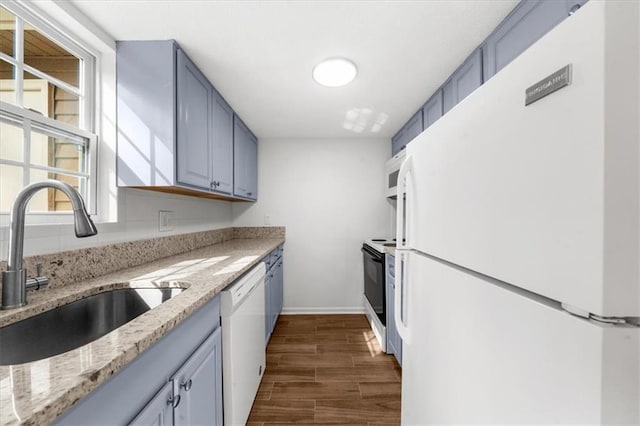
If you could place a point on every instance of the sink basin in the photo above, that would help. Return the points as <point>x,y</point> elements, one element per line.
<point>70,326</point>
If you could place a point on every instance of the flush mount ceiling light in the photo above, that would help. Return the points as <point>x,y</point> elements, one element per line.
<point>334,72</point>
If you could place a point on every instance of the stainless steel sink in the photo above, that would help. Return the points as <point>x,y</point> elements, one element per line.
<point>75,324</point>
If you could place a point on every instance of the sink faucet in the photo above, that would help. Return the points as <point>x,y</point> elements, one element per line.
<point>14,280</point>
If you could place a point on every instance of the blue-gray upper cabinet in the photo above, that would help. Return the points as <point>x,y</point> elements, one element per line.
<point>194,129</point>
<point>146,113</point>
<point>205,131</point>
<point>529,21</point>
<point>409,131</point>
<point>175,131</point>
<point>432,110</point>
<point>466,79</point>
<point>245,161</point>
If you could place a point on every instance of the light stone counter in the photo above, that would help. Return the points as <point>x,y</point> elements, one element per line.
<point>37,392</point>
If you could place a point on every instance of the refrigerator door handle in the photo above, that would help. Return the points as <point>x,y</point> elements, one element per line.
<point>400,267</point>
<point>401,220</point>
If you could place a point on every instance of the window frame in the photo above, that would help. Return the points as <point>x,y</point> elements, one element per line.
<point>86,92</point>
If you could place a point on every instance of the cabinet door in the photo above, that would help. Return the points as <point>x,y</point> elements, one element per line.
<point>432,110</point>
<point>267,306</point>
<point>280,287</point>
<point>394,341</point>
<point>276,293</point>
<point>145,86</point>
<point>245,161</point>
<point>466,79</point>
<point>396,142</point>
<point>252,167</point>
<point>222,145</point>
<point>199,384</point>
<point>159,411</point>
<point>391,324</point>
<point>410,130</point>
<point>413,128</point>
<point>529,21</point>
<point>194,142</point>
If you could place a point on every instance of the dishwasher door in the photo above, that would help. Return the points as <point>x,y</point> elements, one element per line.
<point>243,347</point>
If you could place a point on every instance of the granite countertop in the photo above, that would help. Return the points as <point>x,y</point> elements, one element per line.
<point>38,392</point>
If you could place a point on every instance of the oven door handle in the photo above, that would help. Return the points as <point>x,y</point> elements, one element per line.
<point>373,257</point>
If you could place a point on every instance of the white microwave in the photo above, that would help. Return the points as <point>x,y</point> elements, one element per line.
<point>391,171</point>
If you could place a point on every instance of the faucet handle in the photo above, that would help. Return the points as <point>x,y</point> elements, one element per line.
<point>39,281</point>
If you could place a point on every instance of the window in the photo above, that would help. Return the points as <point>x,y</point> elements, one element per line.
<point>46,111</point>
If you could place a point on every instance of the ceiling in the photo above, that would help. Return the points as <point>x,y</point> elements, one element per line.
<point>260,54</point>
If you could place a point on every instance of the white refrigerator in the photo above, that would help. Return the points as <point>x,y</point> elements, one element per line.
<point>520,269</point>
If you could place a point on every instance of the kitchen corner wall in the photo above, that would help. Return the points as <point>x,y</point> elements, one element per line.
<point>328,193</point>
<point>137,219</point>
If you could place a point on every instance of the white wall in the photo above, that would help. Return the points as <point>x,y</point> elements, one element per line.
<point>138,219</point>
<point>329,196</point>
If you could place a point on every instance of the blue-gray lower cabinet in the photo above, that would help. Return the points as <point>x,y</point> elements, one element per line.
<point>245,161</point>
<point>195,384</point>
<point>394,342</point>
<point>529,21</point>
<point>159,411</point>
<point>268,314</point>
<point>152,389</point>
<point>186,398</point>
<point>409,131</point>
<point>466,79</point>
<point>274,290</point>
<point>278,291</point>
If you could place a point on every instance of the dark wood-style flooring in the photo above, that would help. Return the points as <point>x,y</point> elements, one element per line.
<point>327,369</point>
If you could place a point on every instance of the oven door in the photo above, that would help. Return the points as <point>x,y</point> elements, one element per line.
<point>374,281</point>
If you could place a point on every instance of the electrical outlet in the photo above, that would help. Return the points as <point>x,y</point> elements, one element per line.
<point>165,220</point>
<point>267,219</point>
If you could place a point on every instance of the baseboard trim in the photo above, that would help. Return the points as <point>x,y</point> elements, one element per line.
<point>323,310</point>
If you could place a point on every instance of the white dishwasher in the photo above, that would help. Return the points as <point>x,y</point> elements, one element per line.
<point>243,348</point>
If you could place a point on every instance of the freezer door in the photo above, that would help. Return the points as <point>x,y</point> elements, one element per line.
<point>486,354</point>
<point>543,196</point>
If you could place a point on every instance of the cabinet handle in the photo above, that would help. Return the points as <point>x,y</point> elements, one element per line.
<point>186,385</point>
<point>174,401</point>
<point>249,193</point>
